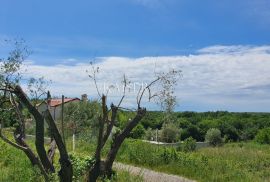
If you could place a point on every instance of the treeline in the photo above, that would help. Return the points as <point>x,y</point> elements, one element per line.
<point>233,126</point>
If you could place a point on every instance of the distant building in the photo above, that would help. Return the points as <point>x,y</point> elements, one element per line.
<point>55,105</point>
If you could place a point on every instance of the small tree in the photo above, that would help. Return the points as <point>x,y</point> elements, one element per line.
<point>81,115</point>
<point>263,136</point>
<point>138,132</point>
<point>189,145</point>
<point>213,136</point>
<point>170,133</point>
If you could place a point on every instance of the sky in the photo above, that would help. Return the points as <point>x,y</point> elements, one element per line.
<point>221,47</point>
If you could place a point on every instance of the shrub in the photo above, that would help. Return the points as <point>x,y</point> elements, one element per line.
<point>263,136</point>
<point>189,145</point>
<point>138,132</point>
<point>150,134</point>
<point>170,133</point>
<point>80,165</point>
<point>213,136</point>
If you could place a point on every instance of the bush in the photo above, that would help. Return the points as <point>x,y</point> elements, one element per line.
<point>138,132</point>
<point>80,165</point>
<point>150,134</point>
<point>170,133</point>
<point>213,136</point>
<point>263,136</point>
<point>189,145</point>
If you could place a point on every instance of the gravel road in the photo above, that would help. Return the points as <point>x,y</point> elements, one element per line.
<point>149,175</point>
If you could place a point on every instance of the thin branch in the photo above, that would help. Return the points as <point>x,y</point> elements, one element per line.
<point>124,91</point>
<point>94,71</point>
<point>147,87</point>
<point>5,139</point>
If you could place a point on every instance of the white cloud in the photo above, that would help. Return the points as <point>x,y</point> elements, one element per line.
<point>223,77</point>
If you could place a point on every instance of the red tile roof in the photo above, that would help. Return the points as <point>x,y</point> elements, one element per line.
<point>57,102</point>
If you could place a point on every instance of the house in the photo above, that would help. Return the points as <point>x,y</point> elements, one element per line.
<point>55,105</point>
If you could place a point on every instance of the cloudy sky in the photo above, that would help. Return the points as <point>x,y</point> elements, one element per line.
<point>222,47</point>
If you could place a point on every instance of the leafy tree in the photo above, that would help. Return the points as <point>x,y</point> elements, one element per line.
<point>81,115</point>
<point>170,133</point>
<point>213,136</point>
<point>138,132</point>
<point>263,136</point>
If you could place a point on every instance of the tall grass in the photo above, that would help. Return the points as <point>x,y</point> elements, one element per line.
<point>15,166</point>
<point>233,162</point>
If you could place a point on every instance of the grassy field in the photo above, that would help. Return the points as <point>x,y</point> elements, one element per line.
<point>232,162</point>
<point>15,166</point>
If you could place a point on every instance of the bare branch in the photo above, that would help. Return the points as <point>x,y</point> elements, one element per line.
<point>4,138</point>
<point>146,88</point>
<point>93,76</point>
<point>124,91</point>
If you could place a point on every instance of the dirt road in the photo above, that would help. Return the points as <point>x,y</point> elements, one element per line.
<point>149,175</point>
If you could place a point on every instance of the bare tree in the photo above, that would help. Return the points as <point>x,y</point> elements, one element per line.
<point>108,119</point>
<point>12,93</point>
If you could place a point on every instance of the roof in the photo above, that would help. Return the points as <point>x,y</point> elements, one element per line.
<point>57,102</point>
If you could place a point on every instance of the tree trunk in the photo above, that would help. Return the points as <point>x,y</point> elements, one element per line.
<point>119,139</point>
<point>39,129</point>
<point>32,157</point>
<point>66,171</point>
<point>94,172</point>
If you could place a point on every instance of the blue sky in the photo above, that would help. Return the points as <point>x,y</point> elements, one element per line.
<point>74,32</point>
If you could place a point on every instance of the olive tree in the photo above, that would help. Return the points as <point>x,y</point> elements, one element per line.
<point>12,93</point>
<point>107,119</point>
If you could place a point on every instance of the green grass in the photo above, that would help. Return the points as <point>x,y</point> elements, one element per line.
<point>15,166</point>
<point>231,162</point>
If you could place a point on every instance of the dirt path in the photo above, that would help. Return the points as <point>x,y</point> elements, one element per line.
<point>149,175</point>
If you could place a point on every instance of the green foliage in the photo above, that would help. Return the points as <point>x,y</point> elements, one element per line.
<point>231,162</point>
<point>153,119</point>
<point>123,117</point>
<point>189,145</point>
<point>150,134</point>
<point>81,115</point>
<point>233,126</point>
<point>170,133</point>
<point>263,136</point>
<point>80,165</point>
<point>15,166</point>
<point>213,136</point>
<point>138,132</point>
<point>8,117</point>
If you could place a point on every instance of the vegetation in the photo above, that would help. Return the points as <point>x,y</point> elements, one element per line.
<point>233,126</point>
<point>232,162</point>
<point>213,136</point>
<point>263,136</point>
<point>170,133</point>
<point>76,117</point>
<point>189,145</point>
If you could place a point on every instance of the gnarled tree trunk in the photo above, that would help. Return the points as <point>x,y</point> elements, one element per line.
<point>104,168</point>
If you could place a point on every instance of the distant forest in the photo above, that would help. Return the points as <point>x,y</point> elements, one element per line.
<point>233,126</point>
